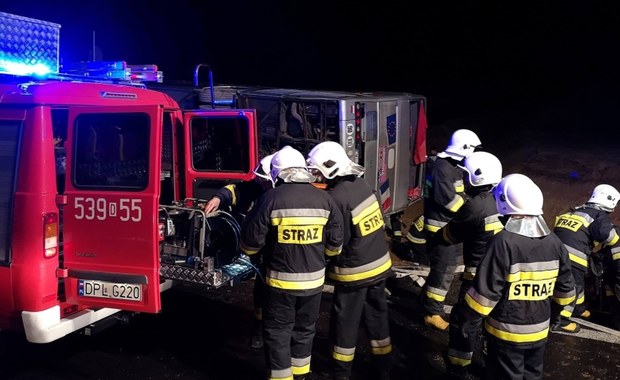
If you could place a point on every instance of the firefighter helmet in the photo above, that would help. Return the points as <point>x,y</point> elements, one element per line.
<point>463,142</point>
<point>605,196</point>
<point>331,160</point>
<point>483,168</point>
<point>264,167</point>
<point>518,194</point>
<point>286,159</point>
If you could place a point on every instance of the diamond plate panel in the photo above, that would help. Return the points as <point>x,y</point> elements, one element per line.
<point>30,41</point>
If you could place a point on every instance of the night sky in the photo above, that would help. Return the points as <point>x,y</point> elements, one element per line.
<point>466,57</point>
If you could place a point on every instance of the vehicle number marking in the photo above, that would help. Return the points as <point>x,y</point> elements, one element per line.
<point>125,209</point>
<point>102,289</point>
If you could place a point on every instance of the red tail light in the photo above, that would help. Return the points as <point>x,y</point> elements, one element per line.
<point>50,234</point>
<point>359,114</point>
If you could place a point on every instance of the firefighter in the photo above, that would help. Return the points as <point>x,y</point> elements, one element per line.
<point>240,198</point>
<point>359,273</point>
<point>296,226</point>
<point>611,260</point>
<point>525,264</point>
<point>581,229</point>
<point>473,225</point>
<point>444,196</point>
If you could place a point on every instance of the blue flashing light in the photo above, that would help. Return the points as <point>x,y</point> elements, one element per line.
<point>19,68</point>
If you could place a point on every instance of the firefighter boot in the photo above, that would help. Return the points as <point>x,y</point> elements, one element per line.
<point>436,321</point>
<point>570,327</point>
<point>586,314</point>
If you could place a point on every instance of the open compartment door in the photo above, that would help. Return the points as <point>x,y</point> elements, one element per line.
<point>111,254</point>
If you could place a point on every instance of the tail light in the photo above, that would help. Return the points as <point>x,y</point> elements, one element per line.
<point>50,234</point>
<point>359,114</point>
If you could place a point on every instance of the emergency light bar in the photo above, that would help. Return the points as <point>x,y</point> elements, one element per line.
<point>28,45</point>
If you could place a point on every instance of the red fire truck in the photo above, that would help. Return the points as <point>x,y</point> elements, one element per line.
<point>100,179</point>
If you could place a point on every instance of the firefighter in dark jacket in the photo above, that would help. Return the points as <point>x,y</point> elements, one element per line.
<point>359,273</point>
<point>299,227</point>
<point>444,196</point>
<point>473,225</point>
<point>239,198</point>
<point>524,266</point>
<point>581,230</point>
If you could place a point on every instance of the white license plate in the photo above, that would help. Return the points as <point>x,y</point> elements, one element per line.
<point>102,289</point>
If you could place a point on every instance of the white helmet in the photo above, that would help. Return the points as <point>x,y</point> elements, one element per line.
<point>483,168</point>
<point>605,196</point>
<point>289,158</point>
<point>264,167</point>
<point>331,160</point>
<point>518,194</point>
<point>462,143</point>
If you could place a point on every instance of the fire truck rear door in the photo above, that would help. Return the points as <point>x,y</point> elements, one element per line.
<point>110,225</point>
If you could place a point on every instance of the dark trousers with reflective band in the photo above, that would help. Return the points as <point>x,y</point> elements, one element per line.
<point>258,298</point>
<point>575,308</point>
<point>351,306</point>
<point>443,264</point>
<point>289,327</point>
<point>507,361</point>
<point>580,278</point>
<point>465,327</point>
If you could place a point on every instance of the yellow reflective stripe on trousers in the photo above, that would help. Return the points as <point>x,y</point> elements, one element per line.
<point>459,358</point>
<point>300,366</point>
<point>381,346</point>
<point>436,294</point>
<point>281,374</point>
<point>343,354</point>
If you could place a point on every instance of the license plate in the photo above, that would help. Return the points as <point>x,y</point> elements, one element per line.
<point>102,289</point>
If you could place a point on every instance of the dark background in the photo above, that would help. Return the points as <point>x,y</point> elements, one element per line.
<point>532,58</point>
